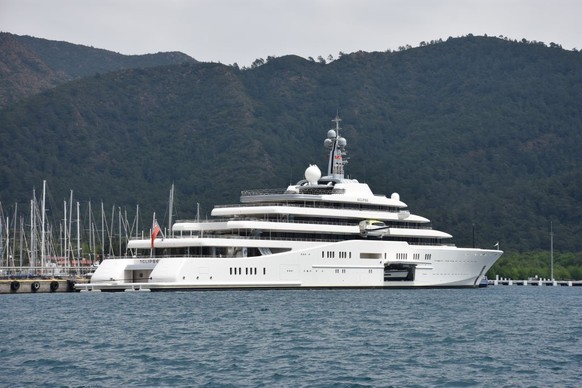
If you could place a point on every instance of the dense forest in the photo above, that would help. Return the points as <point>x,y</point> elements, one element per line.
<point>479,134</point>
<point>567,266</point>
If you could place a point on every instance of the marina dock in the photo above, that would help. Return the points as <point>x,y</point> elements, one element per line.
<point>38,286</point>
<point>535,282</point>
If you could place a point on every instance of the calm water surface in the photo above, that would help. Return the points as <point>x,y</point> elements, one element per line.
<point>507,336</point>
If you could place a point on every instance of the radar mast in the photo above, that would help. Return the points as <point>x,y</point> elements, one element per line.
<point>337,151</point>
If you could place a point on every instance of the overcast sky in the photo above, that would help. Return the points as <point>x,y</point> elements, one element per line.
<point>240,31</point>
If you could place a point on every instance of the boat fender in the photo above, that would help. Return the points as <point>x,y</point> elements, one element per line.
<point>14,286</point>
<point>54,286</point>
<point>34,286</point>
<point>71,285</point>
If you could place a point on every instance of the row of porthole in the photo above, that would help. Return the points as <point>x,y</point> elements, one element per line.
<point>248,271</point>
<point>415,256</point>
<point>331,255</point>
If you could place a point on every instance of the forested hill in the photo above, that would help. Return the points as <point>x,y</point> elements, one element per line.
<point>30,65</point>
<point>474,131</point>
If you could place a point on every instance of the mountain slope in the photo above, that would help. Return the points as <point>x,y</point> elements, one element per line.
<point>478,134</point>
<point>30,65</point>
<point>22,72</point>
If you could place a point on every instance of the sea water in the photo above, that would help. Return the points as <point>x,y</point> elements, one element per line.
<point>501,335</point>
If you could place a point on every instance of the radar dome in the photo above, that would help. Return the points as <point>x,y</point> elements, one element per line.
<point>331,134</point>
<point>395,196</point>
<point>312,174</point>
<point>342,141</point>
<point>327,143</point>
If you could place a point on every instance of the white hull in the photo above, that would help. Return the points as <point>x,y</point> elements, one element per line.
<point>316,266</point>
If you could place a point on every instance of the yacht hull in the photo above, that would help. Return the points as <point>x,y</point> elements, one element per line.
<point>346,264</point>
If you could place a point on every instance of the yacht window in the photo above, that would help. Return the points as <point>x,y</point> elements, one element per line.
<point>370,255</point>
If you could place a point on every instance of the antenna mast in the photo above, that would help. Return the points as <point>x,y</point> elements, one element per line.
<point>337,151</point>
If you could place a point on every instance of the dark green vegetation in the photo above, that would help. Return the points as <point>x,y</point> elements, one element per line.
<point>522,266</point>
<point>476,133</point>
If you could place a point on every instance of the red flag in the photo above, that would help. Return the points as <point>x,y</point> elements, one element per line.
<point>155,231</point>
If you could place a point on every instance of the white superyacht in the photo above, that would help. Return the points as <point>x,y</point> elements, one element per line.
<point>323,232</point>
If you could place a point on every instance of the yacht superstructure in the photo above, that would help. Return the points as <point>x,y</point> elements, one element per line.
<point>325,231</point>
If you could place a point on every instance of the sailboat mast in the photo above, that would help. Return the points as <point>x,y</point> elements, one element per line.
<point>102,231</point>
<point>14,233</point>
<point>137,221</point>
<point>67,235</point>
<point>6,248</point>
<point>110,231</point>
<point>21,238</point>
<point>1,245</point>
<point>70,233</point>
<point>551,251</point>
<point>171,205</point>
<point>42,231</point>
<point>119,219</point>
<point>78,238</point>
<point>91,237</point>
<point>33,230</point>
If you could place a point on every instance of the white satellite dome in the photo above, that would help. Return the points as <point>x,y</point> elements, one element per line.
<point>331,134</point>
<point>395,196</point>
<point>342,142</point>
<point>312,174</point>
